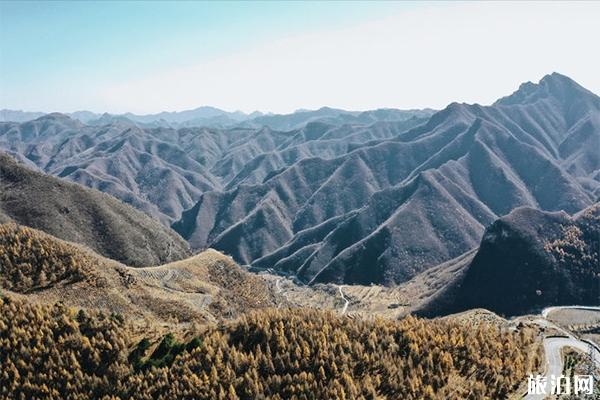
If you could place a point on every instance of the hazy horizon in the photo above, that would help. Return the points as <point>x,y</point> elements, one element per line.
<point>150,57</point>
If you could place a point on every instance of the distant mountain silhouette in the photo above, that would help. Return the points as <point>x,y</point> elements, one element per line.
<point>24,116</point>
<point>77,214</point>
<point>211,117</point>
<point>201,116</point>
<point>332,116</point>
<point>18,115</point>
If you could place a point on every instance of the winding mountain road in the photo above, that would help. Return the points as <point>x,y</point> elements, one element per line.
<point>554,345</point>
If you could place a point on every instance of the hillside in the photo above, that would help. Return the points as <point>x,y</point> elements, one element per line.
<point>526,261</point>
<point>204,288</point>
<point>291,354</point>
<point>77,214</point>
<point>33,261</point>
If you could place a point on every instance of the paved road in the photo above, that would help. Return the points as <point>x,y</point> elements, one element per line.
<point>554,345</point>
<point>554,361</point>
<point>548,310</point>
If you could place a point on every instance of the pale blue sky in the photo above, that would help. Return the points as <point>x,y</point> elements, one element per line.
<point>279,56</point>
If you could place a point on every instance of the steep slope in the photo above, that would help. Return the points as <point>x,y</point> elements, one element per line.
<point>316,139</point>
<point>528,260</point>
<point>74,213</point>
<point>392,207</point>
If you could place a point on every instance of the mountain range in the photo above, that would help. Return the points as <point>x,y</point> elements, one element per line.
<point>389,208</point>
<point>201,116</point>
<point>163,171</point>
<point>329,196</point>
<point>212,117</point>
<point>82,325</point>
<point>526,260</point>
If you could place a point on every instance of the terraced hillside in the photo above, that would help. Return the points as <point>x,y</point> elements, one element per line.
<point>204,288</point>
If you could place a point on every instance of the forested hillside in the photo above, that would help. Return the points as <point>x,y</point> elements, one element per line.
<point>55,352</point>
<point>204,288</point>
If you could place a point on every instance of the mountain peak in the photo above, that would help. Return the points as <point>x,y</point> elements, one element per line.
<point>108,119</point>
<point>54,116</point>
<point>556,77</point>
<point>553,85</point>
<point>560,85</point>
<point>59,118</point>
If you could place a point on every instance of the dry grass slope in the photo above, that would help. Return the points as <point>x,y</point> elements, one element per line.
<point>225,288</point>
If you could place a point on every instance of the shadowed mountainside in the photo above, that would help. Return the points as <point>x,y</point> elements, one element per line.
<point>528,260</point>
<point>78,214</point>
